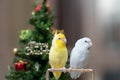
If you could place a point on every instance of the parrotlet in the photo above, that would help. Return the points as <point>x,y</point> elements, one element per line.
<point>58,54</point>
<point>79,55</point>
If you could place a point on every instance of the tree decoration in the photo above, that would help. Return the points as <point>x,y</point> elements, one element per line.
<point>34,48</point>
<point>36,67</point>
<point>55,31</point>
<point>25,34</point>
<point>15,50</point>
<point>33,13</point>
<point>20,65</point>
<point>38,7</point>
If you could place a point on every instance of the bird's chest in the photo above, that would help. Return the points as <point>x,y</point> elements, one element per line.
<point>58,56</point>
<point>81,59</point>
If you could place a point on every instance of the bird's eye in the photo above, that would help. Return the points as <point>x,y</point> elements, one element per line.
<point>59,38</point>
<point>85,41</point>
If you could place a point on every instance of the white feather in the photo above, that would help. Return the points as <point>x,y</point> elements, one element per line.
<point>79,56</point>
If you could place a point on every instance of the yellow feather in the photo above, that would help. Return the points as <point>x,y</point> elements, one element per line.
<point>58,54</point>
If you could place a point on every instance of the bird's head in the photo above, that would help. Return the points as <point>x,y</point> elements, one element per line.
<point>85,42</point>
<point>59,40</point>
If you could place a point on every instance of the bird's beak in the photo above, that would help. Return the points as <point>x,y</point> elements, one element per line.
<point>64,39</point>
<point>90,44</point>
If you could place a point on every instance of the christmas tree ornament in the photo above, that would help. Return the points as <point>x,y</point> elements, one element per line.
<point>58,53</point>
<point>48,28</point>
<point>36,66</point>
<point>20,65</point>
<point>15,50</point>
<point>79,55</point>
<point>25,34</point>
<point>38,7</point>
<point>56,31</point>
<point>33,13</point>
<point>34,48</point>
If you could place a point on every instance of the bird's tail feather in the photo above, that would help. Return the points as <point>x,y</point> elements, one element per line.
<point>57,75</point>
<point>75,75</point>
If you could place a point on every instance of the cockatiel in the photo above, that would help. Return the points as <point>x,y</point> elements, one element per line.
<point>58,54</point>
<point>79,55</point>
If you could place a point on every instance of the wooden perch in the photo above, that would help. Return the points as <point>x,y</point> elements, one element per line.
<point>70,70</point>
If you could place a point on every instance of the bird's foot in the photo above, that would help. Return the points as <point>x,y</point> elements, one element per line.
<point>52,69</point>
<point>64,69</point>
<point>82,70</point>
<point>70,69</point>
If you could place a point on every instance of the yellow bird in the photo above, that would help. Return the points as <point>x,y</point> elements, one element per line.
<point>58,53</point>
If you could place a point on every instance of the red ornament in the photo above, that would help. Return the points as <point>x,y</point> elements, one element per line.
<point>20,65</point>
<point>38,7</point>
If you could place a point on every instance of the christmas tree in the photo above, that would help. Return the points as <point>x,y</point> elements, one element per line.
<point>31,58</point>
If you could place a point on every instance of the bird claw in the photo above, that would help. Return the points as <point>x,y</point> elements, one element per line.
<point>52,69</point>
<point>70,69</point>
<point>64,69</point>
<point>82,70</point>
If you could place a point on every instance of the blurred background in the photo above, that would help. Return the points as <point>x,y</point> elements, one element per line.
<point>97,19</point>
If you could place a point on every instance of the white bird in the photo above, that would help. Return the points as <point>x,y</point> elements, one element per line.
<point>79,55</point>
